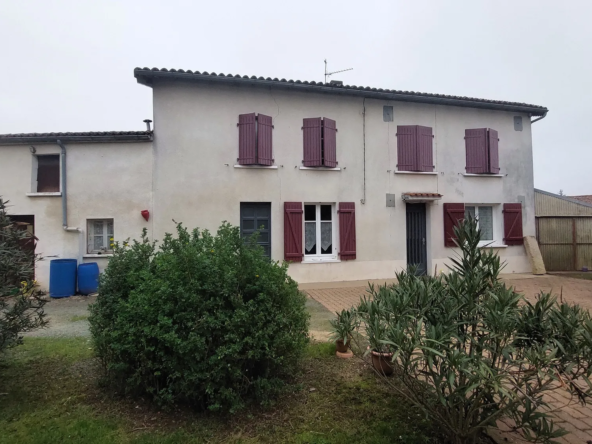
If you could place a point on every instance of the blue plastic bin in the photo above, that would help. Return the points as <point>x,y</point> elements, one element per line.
<point>62,278</point>
<point>88,278</point>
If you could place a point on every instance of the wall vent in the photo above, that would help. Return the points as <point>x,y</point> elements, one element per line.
<point>387,113</point>
<point>517,123</point>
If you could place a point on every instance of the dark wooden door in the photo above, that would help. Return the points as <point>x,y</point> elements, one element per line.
<point>256,216</point>
<point>416,237</point>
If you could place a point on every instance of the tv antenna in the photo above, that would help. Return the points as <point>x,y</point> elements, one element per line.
<point>327,74</point>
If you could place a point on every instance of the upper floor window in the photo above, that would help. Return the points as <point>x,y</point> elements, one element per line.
<point>482,151</point>
<point>320,142</point>
<point>414,148</point>
<point>48,173</point>
<point>254,139</point>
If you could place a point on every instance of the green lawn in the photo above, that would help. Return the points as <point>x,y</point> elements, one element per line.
<point>50,394</point>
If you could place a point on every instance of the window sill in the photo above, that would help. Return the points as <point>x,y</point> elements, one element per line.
<point>493,246</point>
<point>421,173</point>
<point>257,167</point>
<point>98,255</point>
<point>482,175</point>
<point>320,261</point>
<point>50,194</point>
<point>320,168</point>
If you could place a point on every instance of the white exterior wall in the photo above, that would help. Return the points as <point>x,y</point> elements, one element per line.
<point>188,174</point>
<point>195,182</point>
<point>104,181</point>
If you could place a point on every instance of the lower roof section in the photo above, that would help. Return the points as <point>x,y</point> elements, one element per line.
<point>554,205</point>
<point>79,137</point>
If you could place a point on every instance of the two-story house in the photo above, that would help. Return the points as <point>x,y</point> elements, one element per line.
<point>344,182</point>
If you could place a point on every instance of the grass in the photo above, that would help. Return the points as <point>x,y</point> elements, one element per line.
<point>77,318</point>
<point>51,395</point>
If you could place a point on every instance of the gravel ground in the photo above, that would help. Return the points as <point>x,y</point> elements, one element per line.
<point>67,317</point>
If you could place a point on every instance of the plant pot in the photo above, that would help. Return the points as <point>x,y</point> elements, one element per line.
<point>341,347</point>
<point>343,350</point>
<point>382,363</point>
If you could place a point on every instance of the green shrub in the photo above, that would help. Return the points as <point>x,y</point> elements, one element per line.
<point>471,351</point>
<point>21,302</point>
<point>203,319</point>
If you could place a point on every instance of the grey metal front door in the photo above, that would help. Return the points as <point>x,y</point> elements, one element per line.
<point>256,216</point>
<point>416,237</point>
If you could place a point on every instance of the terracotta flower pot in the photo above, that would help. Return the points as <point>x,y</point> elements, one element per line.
<point>341,347</point>
<point>382,363</point>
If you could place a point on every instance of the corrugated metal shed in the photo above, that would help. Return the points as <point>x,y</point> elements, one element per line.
<point>564,231</point>
<point>553,205</point>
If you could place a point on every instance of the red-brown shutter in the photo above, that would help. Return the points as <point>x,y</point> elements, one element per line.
<point>493,151</point>
<point>311,131</point>
<point>453,214</point>
<point>476,150</point>
<point>425,150</point>
<point>347,230</point>
<point>329,143</point>
<point>513,224</point>
<point>264,140</point>
<point>293,231</point>
<point>406,148</point>
<point>247,139</point>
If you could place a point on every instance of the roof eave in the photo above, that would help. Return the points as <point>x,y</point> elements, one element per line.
<point>75,139</point>
<point>147,77</point>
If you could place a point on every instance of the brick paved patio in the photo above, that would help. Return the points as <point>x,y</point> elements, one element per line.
<point>573,417</point>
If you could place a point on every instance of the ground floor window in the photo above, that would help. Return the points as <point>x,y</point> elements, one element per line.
<point>256,217</point>
<point>319,232</point>
<point>486,220</point>
<point>100,236</point>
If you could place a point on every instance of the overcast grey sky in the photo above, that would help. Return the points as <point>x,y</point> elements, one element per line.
<point>68,65</point>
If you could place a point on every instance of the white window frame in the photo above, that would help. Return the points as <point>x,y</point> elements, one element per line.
<point>316,258</point>
<point>90,236</point>
<point>496,220</point>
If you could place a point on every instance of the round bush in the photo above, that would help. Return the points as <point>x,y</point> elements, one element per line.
<point>202,319</point>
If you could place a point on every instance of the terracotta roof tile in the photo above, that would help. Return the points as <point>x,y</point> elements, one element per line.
<point>584,198</point>
<point>89,136</point>
<point>147,75</point>
<point>430,195</point>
